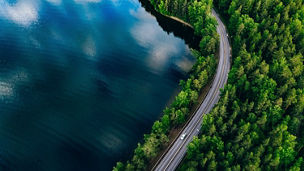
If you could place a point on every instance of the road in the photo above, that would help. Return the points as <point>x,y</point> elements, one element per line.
<point>175,154</point>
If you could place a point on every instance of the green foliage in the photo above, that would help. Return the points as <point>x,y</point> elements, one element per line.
<point>259,118</point>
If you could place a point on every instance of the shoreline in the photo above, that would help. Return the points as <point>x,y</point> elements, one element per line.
<point>174,131</point>
<point>179,20</point>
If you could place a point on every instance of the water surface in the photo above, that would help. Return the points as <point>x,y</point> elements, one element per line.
<point>81,81</point>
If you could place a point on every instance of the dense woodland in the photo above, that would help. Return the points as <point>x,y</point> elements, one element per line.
<point>199,15</point>
<point>258,123</point>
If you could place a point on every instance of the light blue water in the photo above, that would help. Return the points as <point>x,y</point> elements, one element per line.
<point>81,81</point>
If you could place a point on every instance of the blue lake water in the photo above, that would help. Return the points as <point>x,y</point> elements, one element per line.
<point>81,81</point>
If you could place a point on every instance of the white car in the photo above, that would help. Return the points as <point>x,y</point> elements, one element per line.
<point>183,136</point>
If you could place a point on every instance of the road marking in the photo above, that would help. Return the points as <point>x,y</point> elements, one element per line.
<point>212,98</point>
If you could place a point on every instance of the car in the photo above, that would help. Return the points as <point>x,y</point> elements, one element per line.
<point>183,136</point>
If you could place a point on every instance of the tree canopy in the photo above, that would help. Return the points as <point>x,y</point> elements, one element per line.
<point>258,123</point>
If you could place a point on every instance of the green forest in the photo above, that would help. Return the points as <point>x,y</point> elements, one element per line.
<point>258,123</point>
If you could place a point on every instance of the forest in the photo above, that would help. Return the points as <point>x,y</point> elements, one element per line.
<point>258,123</point>
<point>198,14</point>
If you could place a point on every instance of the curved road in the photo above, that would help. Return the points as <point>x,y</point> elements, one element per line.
<point>177,151</point>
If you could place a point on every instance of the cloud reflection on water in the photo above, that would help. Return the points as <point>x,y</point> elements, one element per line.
<point>6,90</point>
<point>9,81</point>
<point>55,2</point>
<point>151,36</point>
<point>26,13</point>
<point>89,47</point>
<point>87,1</point>
<point>81,60</point>
<point>23,12</point>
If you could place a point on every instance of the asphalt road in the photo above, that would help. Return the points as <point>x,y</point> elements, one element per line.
<point>175,154</point>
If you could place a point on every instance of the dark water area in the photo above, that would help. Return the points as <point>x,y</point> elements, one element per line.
<point>81,81</point>
<point>172,26</point>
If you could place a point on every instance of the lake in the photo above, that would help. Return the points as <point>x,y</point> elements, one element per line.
<point>81,81</point>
